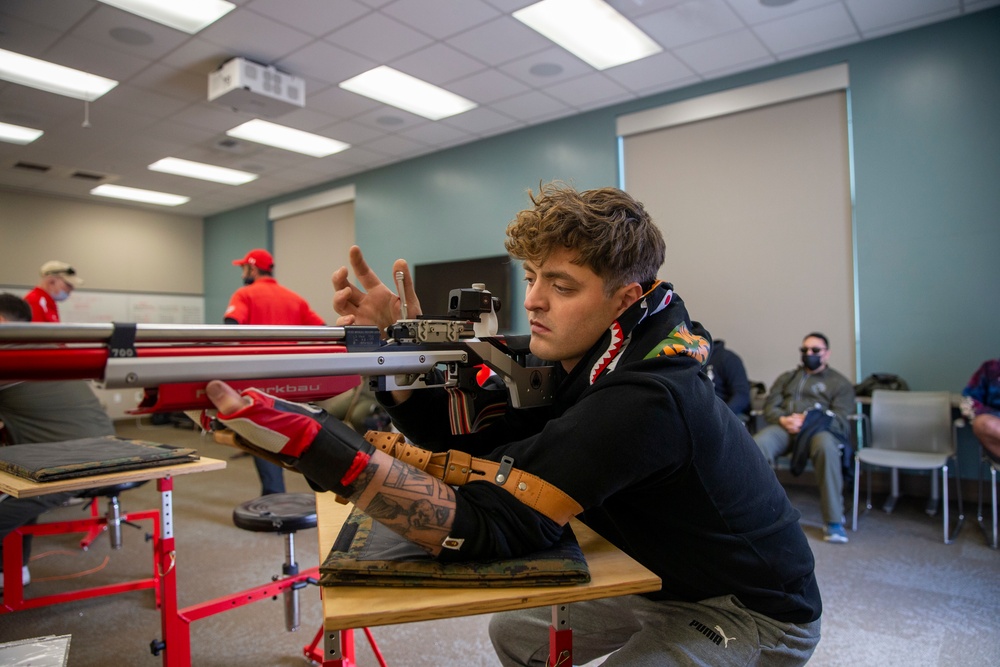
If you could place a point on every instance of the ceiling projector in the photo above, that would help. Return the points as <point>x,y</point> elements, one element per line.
<point>259,90</point>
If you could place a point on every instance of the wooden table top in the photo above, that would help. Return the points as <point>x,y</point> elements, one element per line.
<point>19,487</point>
<point>612,573</point>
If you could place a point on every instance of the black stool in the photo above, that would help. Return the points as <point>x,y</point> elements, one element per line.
<point>113,514</point>
<point>283,513</point>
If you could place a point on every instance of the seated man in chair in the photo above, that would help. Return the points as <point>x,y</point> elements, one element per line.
<point>810,386</point>
<point>982,406</point>
<point>726,371</point>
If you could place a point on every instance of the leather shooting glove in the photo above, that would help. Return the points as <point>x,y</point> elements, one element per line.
<point>300,437</point>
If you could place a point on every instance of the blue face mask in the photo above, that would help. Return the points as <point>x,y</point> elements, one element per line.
<point>61,295</point>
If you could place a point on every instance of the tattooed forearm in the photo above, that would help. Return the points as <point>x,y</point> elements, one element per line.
<point>419,507</point>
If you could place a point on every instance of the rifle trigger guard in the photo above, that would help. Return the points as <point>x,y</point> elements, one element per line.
<point>506,463</point>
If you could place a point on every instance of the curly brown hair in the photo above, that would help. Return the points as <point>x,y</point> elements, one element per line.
<point>611,231</point>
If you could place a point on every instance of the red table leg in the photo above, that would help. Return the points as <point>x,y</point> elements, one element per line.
<point>560,637</point>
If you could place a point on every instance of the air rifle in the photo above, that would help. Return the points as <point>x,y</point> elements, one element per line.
<point>171,364</point>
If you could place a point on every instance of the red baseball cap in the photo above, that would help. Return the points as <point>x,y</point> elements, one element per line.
<point>257,257</point>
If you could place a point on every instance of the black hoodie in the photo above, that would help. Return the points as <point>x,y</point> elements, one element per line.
<point>663,469</point>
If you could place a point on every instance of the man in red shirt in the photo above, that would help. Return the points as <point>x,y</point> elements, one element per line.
<point>59,279</point>
<point>262,300</point>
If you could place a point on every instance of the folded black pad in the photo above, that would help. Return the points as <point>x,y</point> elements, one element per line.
<point>368,553</point>
<point>50,461</point>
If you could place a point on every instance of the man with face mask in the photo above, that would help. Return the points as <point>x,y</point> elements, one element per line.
<point>262,300</point>
<point>814,387</point>
<point>59,279</point>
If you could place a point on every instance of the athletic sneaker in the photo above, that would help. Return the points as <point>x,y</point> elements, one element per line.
<point>25,577</point>
<point>834,532</point>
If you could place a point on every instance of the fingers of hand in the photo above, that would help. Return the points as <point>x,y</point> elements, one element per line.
<point>364,273</point>
<point>273,424</point>
<point>224,397</point>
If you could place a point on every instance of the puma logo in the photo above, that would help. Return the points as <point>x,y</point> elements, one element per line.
<point>724,637</point>
<point>718,636</point>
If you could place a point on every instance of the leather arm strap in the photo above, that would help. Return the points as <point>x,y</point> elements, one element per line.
<point>457,468</point>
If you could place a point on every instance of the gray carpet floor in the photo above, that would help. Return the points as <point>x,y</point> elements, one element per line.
<point>895,595</point>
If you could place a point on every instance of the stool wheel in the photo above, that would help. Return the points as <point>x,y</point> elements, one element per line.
<point>277,513</point>
<point>112,490</point>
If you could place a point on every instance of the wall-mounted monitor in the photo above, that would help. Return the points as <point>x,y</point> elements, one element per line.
<point>435,281</point>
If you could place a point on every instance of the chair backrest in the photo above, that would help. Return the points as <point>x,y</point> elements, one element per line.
<point>912,421</point>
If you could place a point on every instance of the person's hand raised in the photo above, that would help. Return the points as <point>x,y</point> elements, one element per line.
<point>376,304</point>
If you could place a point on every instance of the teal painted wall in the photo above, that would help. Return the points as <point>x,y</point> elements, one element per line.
<point>229,236</point>
<point>927,170</point>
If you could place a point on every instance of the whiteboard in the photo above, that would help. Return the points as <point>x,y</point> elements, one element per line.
<point>105,306</point>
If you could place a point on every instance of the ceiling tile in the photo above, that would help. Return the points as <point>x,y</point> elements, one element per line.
<point>324,61</point>
<point>198,55</point>
<point>871,16</point>
<point>689,22</point>
<point>255,37</point>
<point>482,120</point>
<point>438,18</point>
<point>129,33</point>
<point>60,15</point>
<point>352,133</point>
<point>487,86</point>
<point>659,71</point>
<point>884,25</point>
<point>210,117</point>
<point>37,108</point>
<point>500,41</point>
<point>147,102</point>
<point>438,64</point>
<point>394,144</point>
<point>754,12</point>
<point>177,83</point>
<point>816,26</point>
<point>340,103</point>
<point>314,17</point>
<point>25,38</point>
<point>547,67</point>
<point>94,58</point>
<point>434,134</point>
<point>723,53</point>
<point>531,105</point>
<point>388,119</point>
<point>586,91</point>
<point>379,38</point>
<point>632,9</point>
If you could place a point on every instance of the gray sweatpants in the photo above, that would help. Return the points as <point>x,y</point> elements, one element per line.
<point>824,452</point>
<point>641,633</point>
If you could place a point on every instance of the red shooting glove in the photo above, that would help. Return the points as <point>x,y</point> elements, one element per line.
<point>300,437</point>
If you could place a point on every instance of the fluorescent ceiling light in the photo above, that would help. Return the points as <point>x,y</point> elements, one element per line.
<point>52,78</point>
<point>135,194</point>
<point>189,16</point>
<point>279,136</point>
<point>408,93</point>
<point>16,134</point>
<point>206,172</point>
<point>589,29</point>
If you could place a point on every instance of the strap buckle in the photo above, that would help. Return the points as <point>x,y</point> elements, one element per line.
<point>506,464</point>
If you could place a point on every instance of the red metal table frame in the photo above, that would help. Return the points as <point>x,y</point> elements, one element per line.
<point>176,633</point>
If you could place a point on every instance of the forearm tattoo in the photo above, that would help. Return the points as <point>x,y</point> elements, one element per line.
<point>407,500</point>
